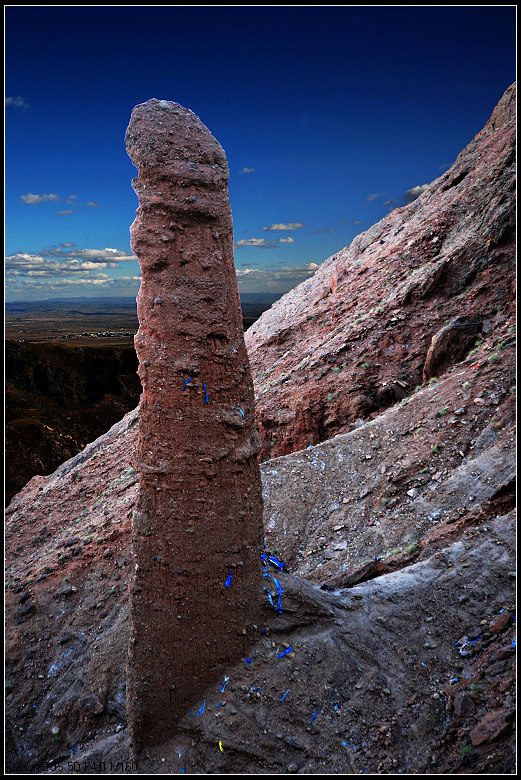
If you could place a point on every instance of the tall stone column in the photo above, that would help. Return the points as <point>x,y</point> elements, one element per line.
<point>197,529</point>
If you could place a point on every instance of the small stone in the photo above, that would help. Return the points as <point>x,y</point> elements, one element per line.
<point>463,705</point>
<point>91,704</point>
<point>330,554</point>
<point>505,652</point>
<point>29,608</point>
<point>491,727</point>
<point>292,768</point>
<point>500,623</point>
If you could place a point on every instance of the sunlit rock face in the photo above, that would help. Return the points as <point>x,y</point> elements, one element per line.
<point>197,528</point>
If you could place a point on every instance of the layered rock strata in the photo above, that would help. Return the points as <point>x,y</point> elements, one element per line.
<point>197,528</point>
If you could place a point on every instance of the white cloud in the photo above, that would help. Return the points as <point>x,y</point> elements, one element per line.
<point>256,242</point>
<point>285,226</point>
<point>248,170</point>
<point>17,102</point>
<point>64,261</point>
<point>32,198</point>
<point>99,284</point>
<point>374,196</point>
<point>66,211</point>
<point>95,255</point>
<point>414,192</point>
<point>288,240</point>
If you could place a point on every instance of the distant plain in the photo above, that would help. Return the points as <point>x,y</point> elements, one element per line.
<point>100,320</point>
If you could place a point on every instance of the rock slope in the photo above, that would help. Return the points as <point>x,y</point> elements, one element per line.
<point>387,644</point>
<point>367,328</point>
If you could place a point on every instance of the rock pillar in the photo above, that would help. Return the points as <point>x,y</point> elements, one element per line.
<point>197,528</point>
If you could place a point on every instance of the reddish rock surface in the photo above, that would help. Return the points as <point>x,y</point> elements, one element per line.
<point>372,310</point>
<point>492,727</point>
<point>197,528</point>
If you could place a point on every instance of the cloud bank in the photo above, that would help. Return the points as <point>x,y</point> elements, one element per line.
<point>62,267</point>
<point>273,279</point>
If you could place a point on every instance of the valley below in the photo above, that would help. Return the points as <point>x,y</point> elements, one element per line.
<point>71,373</point>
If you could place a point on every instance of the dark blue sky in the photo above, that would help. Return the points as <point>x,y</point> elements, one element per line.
<point>328,116</point>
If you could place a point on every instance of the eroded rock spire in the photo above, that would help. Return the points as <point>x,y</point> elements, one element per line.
<point>197,529</point>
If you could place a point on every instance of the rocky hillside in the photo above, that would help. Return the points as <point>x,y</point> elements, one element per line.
<point>388,640</point>
<point>405,301</point>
